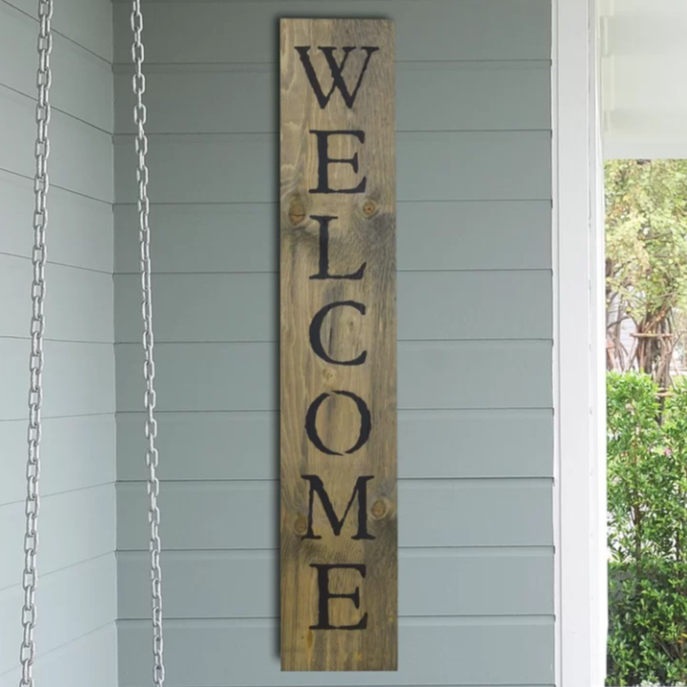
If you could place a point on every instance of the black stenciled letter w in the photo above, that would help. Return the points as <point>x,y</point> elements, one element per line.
<point>336,70</point>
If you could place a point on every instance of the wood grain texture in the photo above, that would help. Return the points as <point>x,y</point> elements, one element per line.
<point>319,631</point>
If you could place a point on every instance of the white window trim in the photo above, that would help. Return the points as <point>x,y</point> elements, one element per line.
<point>578,363</point>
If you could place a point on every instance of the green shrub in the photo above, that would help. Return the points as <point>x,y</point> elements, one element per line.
<point>647,532</point>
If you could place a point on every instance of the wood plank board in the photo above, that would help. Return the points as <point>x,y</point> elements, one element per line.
<point>338,346</point>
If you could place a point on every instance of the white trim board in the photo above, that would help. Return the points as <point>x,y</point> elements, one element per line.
<point>579,513</point>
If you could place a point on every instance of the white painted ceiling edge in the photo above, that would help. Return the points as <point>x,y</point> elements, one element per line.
<point>643,65</point>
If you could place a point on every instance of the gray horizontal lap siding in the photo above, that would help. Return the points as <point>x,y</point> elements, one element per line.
<point>72,218</point>
<point>79,154</point>
<point>244,31</point>
<point>507,235</point>
<point>431,375</point>
<point>432,166</point>
<point>503,96</point>
<point>432,651</point>
<point>90,661</point>
<point>512,305</point>
<point>503,582</point>
<point>451,513</point>
<point>85,23</point>
<point>76,634</point>
<point>458,436</point>
<point>474,353</point>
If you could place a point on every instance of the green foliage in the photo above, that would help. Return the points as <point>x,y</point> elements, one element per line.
<point>646,258</point>
<point>647,623</point>
<point>646,232</point>
<point>634,447</point>
<point>647,532</point>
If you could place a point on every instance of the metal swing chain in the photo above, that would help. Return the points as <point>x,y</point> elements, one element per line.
<point>141,145</point>
<point>38,257</point>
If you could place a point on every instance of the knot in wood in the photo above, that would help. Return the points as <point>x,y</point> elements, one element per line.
<point>300,525</point>
<point>369,207</point>
<point>296,211</point>
<point>379,509</point>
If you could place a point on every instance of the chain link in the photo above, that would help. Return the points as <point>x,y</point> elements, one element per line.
<point>40,223</point>
<point>141,146</point>
<point>27,652</point>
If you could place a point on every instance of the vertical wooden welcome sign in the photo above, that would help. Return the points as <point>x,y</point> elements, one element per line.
<point>338,346</point>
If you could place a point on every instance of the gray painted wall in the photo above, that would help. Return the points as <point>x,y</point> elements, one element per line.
<point>475,330</point>
<point>76,635</point>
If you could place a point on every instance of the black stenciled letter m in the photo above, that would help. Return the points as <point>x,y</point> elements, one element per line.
<point>336,69</point>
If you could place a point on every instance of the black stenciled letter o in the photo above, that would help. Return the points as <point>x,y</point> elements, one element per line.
<point>365,423</point>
